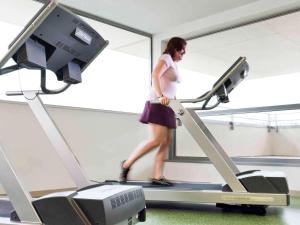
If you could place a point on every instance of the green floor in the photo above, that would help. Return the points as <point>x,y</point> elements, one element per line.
<point>210,215</point>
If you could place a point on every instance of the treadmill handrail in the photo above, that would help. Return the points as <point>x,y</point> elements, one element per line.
<point>216,86</point>
<point>212,92</point>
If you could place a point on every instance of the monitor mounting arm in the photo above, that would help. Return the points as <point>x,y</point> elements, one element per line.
<point>10,69</point>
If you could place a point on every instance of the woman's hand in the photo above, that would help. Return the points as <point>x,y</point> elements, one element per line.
<point>164,100</point>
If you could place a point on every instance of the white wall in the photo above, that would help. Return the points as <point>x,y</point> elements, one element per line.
<point>242,141</point>
<point>100,140</point>
<point>286,142</point>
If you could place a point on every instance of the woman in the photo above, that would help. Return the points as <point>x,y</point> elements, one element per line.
<point>160,117</point>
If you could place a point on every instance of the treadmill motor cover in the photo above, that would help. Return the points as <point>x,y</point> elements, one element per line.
<point>263,182</point>
<point>105,205</point>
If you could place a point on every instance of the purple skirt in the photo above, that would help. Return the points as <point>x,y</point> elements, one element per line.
<point>158,114</point>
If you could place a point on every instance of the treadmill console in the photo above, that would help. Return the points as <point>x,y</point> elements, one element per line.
<point>58,40</point>
<point>230,79</point>
<point>226,83</point>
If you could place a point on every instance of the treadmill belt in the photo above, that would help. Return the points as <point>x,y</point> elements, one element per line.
<point>178,185</point>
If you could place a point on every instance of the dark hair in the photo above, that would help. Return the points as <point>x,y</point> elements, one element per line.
<point>175,43</point>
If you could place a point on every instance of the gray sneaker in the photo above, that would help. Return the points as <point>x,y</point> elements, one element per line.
<point>162,181</point>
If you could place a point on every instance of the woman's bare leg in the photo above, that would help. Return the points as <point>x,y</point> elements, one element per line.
<point>158,135</point>
<point>161,156</point>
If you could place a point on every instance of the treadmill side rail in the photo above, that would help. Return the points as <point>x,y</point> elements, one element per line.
<point>19,197</point>
<point>217,155</point>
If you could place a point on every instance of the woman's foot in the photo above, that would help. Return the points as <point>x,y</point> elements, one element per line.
<point>124,172</point>
<point>162,181</point>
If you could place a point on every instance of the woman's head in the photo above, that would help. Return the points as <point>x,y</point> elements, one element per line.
<point>176,48</point>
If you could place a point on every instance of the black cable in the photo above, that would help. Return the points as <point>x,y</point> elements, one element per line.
<point>210,107</point>
<point>45,90</point>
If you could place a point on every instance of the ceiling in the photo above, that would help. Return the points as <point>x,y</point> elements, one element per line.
<point>150,16</point>
<point>272,47</point>
<point>154,16</point>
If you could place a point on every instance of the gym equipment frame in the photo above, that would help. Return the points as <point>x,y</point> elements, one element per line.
<point>250,190</point>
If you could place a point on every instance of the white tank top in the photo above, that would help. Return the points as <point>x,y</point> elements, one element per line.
<point>168,80</point>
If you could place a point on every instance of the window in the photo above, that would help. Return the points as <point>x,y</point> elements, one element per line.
<point>272,49</point>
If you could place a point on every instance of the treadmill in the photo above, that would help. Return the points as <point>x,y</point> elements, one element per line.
<point>249,191</point>
<point>57,40</point>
